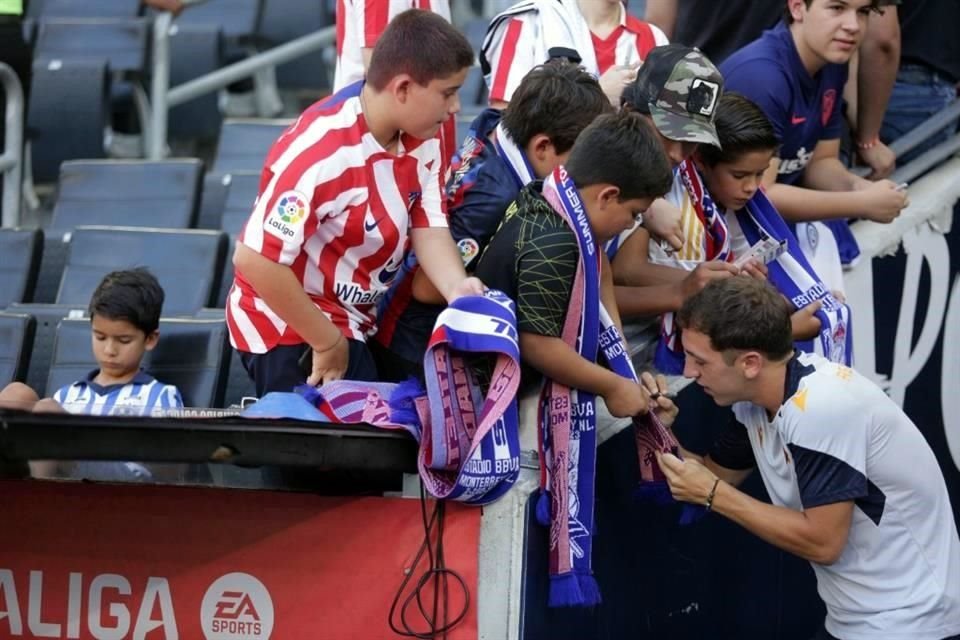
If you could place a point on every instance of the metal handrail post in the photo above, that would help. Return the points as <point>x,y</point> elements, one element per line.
<point>245,68</point>
<point>156,137</point>
<point>11,162</point>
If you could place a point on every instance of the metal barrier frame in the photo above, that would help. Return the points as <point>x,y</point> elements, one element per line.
<point>163,97</point>
<point>11,161</point>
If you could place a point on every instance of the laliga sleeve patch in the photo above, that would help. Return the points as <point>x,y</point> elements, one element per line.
<point>285,220</point>
<point>469,249</point>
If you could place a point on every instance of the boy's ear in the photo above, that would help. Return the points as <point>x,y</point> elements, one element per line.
<point>152,340</point>
<point>400,87</point>
<point>608,194</point>
<point>540,144</point>
<point>698,159</point>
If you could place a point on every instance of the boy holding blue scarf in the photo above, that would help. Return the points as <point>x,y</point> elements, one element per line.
<point>547,256</point>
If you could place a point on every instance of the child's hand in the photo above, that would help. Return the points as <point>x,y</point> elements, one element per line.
<point>660,402</point>
<point>804,322</point>
<point>468,287</point>
<point>755,269</point>
<point>663,221</point>
<point>330,364</point>
<point>626,398</point>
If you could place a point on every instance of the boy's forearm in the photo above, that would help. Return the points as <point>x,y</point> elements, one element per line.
<point>648,301</point>
<point>424,291</point>
<point>829,174</point>
<point>558,361</point>
<point>879,59</point>
<point>798,204</point>
<point>439,258</point>
<point>279,288</point>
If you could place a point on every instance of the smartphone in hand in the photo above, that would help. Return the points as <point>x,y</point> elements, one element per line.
<point>765,251</point>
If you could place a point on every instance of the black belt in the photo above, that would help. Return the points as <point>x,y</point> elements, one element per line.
<point>10,18</point>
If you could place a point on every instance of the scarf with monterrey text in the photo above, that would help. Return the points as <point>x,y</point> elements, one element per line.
<point>567,420</point>
<point>469,439</point>
<point>796,279</point>
<point>716,246</point>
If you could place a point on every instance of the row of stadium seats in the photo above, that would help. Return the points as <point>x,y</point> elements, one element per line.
<point>92,59</point>
<point>193,354</point>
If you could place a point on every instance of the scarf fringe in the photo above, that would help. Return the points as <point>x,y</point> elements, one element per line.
<point>543,508</point>
<point>589,589</point>
<point>653,492</point>
<point>565,591</point>
<point>403,409</point>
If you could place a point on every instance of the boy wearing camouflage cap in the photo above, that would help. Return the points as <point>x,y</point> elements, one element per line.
<point>677,89</point>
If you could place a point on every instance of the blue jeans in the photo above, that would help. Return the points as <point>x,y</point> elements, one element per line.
<point>919,93</point>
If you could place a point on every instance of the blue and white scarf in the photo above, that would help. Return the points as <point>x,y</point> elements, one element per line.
<point>469,444</point>
<point>514,157</point>
<point>796,279</point>
<point>567,420</point>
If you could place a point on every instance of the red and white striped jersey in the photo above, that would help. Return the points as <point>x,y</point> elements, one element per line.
<point>335,207</point>
<point>359,25</point>
<point>519,39</point>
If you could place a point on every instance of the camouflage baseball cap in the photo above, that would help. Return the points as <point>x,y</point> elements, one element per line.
<point>679,88</point>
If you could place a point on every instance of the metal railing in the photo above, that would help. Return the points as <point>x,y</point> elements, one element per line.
<point>163,97</point>
<point>11,161</point>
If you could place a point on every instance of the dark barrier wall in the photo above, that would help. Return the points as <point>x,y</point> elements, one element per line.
<point>713,580</point>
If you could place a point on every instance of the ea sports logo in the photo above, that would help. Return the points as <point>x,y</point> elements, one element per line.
<point>236,606</point>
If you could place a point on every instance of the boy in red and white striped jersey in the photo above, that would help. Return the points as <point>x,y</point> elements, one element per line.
<point>344,193</point>
<point>609,42</point>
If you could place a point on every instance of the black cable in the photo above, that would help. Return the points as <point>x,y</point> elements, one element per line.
<point>437,619</point>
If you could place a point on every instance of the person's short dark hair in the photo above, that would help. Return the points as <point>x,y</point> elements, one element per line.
<point>740,313</point>
<point>558,99</point>
<point>875,6</point>
<point>742,127</point>
<point>621,149</point>
<point>421,44</point>
<point>133,295</point>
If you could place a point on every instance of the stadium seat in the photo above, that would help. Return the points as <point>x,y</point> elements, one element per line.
<point>244,144</point>
<point>195,50</point>
<point>16,341</point>
<point>121,42</point>
<point>188,263</point>
<point>238,19</point>
<point>475,31</point>
<point>131,193</point>
<point>473,94</point>
<point>212,200</point>
<point>286,20</point>
<point>68,113</point>
<point>191,354</point>
<point>47,317</point>
<point>20,251</point>
<point>241,194</point>
<point>42,9</point>
<point>228,200</point>
<point>239,384</point>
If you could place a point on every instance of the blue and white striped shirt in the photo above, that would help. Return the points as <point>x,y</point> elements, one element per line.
<point>139,397</point>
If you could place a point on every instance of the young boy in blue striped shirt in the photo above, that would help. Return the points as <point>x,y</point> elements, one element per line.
<point>124,321</point>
